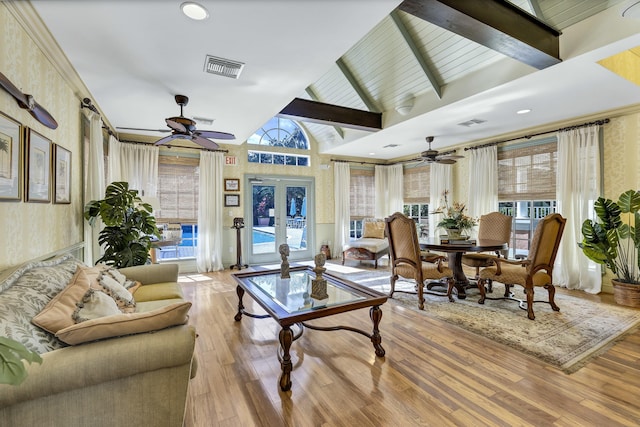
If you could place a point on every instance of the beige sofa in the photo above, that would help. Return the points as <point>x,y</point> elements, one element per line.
<point>134,380</point>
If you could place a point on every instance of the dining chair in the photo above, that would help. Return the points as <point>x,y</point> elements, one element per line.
<point>535,270</point>
<point>406,261</point>
<point>493,226</point>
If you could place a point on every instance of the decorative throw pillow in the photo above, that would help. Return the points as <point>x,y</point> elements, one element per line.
<point>57,314</point>
<point>130,285</point>
<point>122,296</point>
<point>126,324</point>
<point>373,229</point>
<point>95,304</point>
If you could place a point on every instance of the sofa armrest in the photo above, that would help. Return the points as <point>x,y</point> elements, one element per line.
<point>99,362</point>
<point>152,273</point>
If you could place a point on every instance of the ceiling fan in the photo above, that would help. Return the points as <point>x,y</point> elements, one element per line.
<point>182,127</point>
<point>432,156</point>
<point>28,103</point>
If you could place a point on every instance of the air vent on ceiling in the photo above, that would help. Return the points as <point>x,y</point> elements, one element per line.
<point>391,146</point>
<point>203,120</point>
<point>223,67</point>
<point>472,122</point>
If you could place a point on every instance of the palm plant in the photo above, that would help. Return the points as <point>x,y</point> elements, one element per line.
<point>615,240</point>
<point>129,225</point>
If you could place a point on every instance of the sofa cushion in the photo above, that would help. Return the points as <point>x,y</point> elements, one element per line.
<point>93,305</point>
<point>58,313</point>
<point>158,291</point>
<point>126,324</point>
<point>373,229</point>
<point>25,292</point>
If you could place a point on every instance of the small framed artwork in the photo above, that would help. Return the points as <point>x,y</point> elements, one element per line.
<point>38,168</point>
<point>10,159</point>
<point>231,200</point>
<point>61,175</point>
<point>231,185</point>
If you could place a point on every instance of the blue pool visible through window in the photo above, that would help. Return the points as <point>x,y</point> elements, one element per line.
<point>186,249</point>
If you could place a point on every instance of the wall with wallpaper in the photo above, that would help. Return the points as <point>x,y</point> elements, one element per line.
<point>30,230</point>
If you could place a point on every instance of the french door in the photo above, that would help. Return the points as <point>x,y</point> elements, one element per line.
<point>279,210</point>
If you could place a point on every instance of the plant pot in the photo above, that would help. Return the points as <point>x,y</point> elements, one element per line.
<point>454,233</point>
<point>263,221</point>
<point>626,293</point>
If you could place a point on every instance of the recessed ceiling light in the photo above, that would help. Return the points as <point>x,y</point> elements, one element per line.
<point>525,111</point>
<point>372,154</point>
<point>194,10</point>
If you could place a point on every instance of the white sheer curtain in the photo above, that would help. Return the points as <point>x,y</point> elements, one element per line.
<point>209,248</point>
<point>341,186</point>
<point>139,167</point>
<point>114,172</point>
<point>389,192</point>
<point>94,185</point>
<point>483,181</point>
<point>577,187</point>
<point>441,178</point>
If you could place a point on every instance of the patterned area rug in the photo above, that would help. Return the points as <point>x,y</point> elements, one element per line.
<point>567,339</point>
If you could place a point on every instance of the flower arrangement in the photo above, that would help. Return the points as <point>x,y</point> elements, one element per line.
<point>454,216</point>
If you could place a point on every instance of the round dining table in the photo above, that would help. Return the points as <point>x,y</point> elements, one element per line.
<point>454,253</point>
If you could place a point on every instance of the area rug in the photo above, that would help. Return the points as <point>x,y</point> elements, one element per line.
<point>567,339</point>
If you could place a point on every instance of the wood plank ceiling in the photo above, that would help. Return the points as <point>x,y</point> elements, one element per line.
<point>406,56</point>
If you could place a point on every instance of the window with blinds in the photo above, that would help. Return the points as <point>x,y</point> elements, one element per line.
<point>416,184</point>
<point>527,172</point>
<point>178,190</point>
<point>362,193</point>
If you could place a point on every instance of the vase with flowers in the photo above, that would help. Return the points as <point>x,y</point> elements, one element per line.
<point>455,222</point>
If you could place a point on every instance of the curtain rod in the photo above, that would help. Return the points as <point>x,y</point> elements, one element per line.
<point>597,122</point>
<point>220,150</point>
<point>359,162</point>
<point>86,103</point>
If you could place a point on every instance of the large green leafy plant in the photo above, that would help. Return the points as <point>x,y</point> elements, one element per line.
<point>129,225</point>
<point>12,353</point>
<point>614,240</point>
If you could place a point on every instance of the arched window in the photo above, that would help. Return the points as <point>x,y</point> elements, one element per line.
<point>278,132</point>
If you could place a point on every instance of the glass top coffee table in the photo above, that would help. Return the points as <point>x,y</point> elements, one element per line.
<point>289,303</point>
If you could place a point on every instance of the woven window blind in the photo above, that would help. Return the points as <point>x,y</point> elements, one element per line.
<point>362,194</point>
<point>178,183</point>
<point>527,173</point>
<point>417,183</point>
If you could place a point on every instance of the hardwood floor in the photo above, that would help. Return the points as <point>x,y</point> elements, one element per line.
<point>434,374</point>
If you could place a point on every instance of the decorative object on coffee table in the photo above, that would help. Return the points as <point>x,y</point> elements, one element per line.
<point>319,284</point>
<point>284,265</point>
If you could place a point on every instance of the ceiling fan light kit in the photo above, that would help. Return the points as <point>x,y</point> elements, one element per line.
<point>433,156</point>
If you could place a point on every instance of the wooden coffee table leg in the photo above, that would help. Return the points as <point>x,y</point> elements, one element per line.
<point>376,315</point>
<point>286,338</point>
<point>240,293</point>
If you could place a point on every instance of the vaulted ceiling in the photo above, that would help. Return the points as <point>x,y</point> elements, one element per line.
<point>418,67</point>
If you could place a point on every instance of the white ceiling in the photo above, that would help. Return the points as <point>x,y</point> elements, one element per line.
<point>134,56</point>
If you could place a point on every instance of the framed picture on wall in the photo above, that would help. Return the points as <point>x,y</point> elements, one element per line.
<point>231,185</point>
<point>231,200</point>
<point>38,168</point>
<point>61,175</point>
<point>10,159</point>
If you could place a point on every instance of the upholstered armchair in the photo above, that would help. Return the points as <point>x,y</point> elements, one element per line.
<point>406,261</point>
<point>493,226</point>
<point>535,270</point>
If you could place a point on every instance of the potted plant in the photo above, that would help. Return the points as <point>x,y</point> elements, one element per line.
<point>129,226</point>
<point>455,221</point>
<point>614,240</point>
<point>262,202</point>
<point>12,353</point>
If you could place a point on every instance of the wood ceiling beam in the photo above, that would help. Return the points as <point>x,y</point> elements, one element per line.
<point>312,94</point>
<point>496,24</point>
<point>328,114</point>
<point>416,52</point>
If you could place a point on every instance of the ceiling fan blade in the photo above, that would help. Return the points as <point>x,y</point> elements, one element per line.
<point>206,143</point>
<point>178,127</point>
<point>450,156</point>
<point>214,134</point>
<point>27,102</point>
<point>168,139</point>
<point>146,130</point>
<point>445,161</point>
